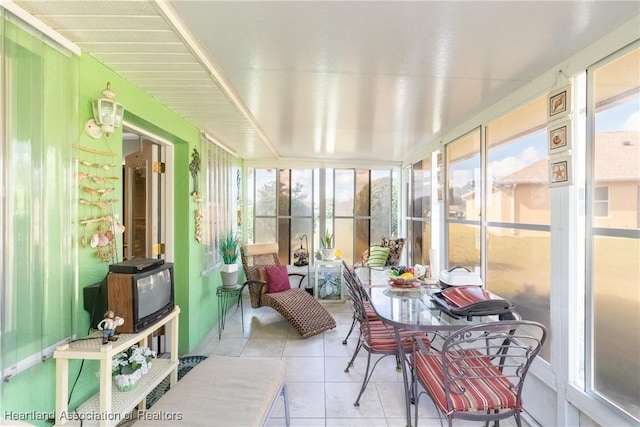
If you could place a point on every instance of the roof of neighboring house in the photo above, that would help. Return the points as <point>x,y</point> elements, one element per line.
<point>617,158</point>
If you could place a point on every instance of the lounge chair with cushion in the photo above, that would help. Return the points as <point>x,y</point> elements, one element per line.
<point>268,283</point>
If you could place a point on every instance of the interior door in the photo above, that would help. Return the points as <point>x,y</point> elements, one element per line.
<point>144,190</point>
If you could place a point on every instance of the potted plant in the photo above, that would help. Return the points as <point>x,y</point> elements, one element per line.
<point>327,246</point>
<point>229,248</point>
<point>130,365</point>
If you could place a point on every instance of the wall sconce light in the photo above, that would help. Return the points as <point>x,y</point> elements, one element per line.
<point>107,115</point>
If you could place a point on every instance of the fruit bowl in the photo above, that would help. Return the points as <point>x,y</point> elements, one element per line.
<point>402,280</point>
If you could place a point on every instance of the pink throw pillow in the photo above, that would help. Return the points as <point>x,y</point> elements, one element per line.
<point>278,278</point>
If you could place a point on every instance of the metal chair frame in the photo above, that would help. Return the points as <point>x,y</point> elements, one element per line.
<point>373,330</point>
<point>493,356</point>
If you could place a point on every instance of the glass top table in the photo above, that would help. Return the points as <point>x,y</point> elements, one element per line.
<point>413,308</point>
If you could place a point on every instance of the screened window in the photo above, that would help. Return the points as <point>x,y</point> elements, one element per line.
<point>262,205</point>
<point>518,212</point>
<point>222,183</point>
<point>358,207</point>
<point>612,260</point>
<point>601,201</point>
<point>419,223</point>
<point>463,200</point>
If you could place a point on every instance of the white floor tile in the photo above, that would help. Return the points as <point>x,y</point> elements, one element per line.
<point>341,398</point>
<point>304,369</point>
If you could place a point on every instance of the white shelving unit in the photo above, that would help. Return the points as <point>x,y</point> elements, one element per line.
<point>109,406</point>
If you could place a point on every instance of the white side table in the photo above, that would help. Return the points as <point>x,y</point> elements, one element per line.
<point>328,281</point>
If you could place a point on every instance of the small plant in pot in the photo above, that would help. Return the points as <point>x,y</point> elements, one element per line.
<point>327,246</point>
<point>229,248</point>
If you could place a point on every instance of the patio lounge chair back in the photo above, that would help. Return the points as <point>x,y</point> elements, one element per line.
<point>254,257</point>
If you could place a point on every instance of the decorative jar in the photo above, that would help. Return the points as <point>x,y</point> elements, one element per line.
<point>127,382</point>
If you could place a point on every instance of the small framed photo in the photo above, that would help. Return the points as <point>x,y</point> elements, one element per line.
<point>440,193</point>
<point>440,160</point>
<point>560,137</point>
<point>560,171</point>
<point>559,102</point>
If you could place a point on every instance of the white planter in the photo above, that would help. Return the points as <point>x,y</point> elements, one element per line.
<point>229,275</point>
<point>327,254</point>
<point>229,268</point>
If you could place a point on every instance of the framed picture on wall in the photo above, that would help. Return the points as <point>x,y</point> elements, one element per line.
<point>560,171</point>
<point>559,137</point>
<point>559,102</point>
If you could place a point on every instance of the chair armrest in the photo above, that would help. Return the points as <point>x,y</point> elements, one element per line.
<point>254,283</point>
<point>301,277</point>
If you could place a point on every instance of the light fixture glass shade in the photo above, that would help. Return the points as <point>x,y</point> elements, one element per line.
<point>107,113</point>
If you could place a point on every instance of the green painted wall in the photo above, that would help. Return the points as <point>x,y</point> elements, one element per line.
<point>195,293</point>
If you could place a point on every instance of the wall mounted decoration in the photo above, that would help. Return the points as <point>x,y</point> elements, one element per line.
<point>559,102</point>
<point>239,198</point>
<point>96,178</point>
<point>194,168</point>
<point>198,224</point>
<point>560,171</point>
<point>559,137</point>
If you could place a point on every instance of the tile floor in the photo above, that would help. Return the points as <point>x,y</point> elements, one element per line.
<point>320,392</point>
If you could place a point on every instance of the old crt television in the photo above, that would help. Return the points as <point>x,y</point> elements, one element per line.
<point>141,291</point>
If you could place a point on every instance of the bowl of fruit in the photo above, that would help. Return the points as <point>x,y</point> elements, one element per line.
<point>402,276</point>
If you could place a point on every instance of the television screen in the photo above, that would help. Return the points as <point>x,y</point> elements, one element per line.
<point>154,292</point>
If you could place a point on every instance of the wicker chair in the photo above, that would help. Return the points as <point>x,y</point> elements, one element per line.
<point>300,308</point>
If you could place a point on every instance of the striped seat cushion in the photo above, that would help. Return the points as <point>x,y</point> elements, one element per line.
<point>380,337</point>
<point>482,386</point>
<point>369,311</point>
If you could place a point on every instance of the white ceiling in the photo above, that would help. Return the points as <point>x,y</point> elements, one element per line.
<point>312,80</point>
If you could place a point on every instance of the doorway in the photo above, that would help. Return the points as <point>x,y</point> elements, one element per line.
<point>145,200</point>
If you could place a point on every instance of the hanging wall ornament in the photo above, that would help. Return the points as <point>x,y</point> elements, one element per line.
<point>194,168</point>
<point>198,225</point>
<point>238,198</point>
